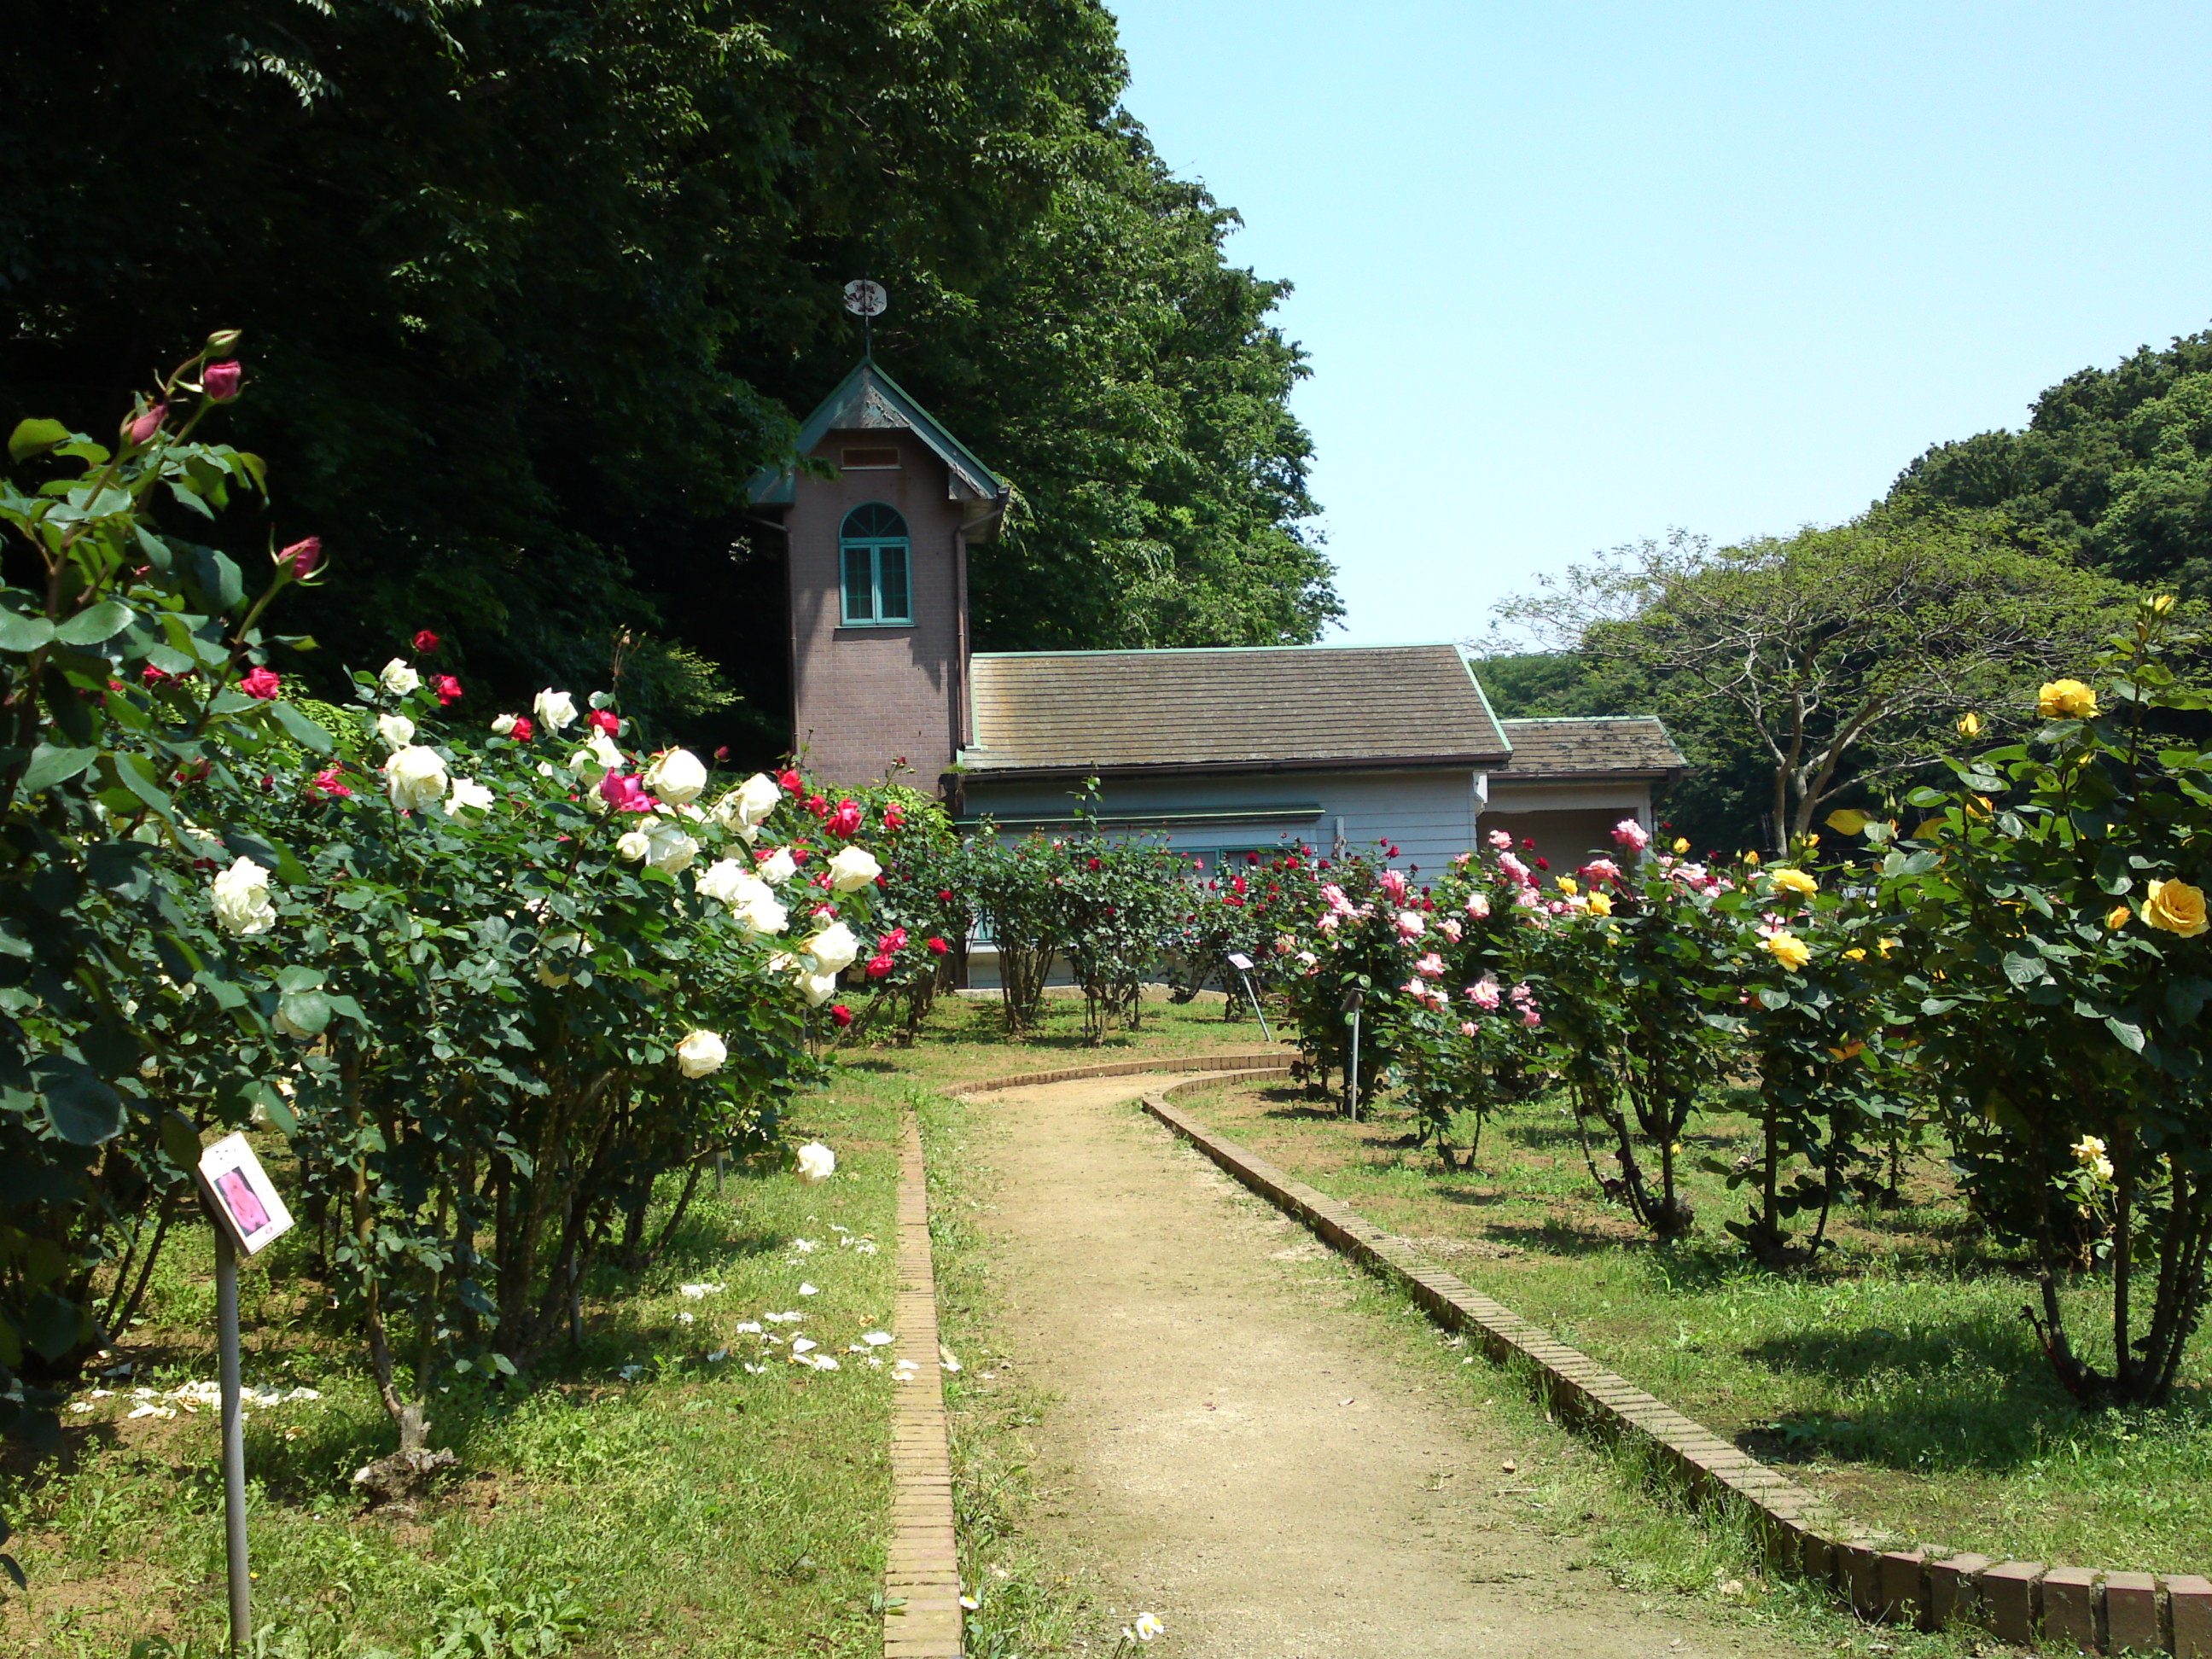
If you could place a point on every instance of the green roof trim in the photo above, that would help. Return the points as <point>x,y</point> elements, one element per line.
<point>867,400</point>
<point>1300,810</point>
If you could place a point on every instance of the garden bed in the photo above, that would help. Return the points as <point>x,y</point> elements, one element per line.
<point>1900,1377</point>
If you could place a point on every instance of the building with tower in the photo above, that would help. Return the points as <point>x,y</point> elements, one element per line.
<point>1220,751</point>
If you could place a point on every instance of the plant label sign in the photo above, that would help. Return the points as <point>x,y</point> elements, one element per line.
<point>1240,962</point>
<point>243,1196</point>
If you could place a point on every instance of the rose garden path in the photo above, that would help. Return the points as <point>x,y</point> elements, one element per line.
<point>1200,1454</point>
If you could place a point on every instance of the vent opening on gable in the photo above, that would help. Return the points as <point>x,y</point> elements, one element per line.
<point>871,460</point>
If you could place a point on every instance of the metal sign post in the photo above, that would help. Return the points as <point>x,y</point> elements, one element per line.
<point>1353,999</point>
<point>248,1216</point>
<point>1242,964</point>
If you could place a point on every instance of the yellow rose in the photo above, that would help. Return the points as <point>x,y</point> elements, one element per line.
<point>2163,604</point>
<point>1856,953</point>
<point>1600,905</point>
<point>1794,881</point>
<point>1886,946</point>
<point>2177,908</point>
<point>1848,821</point>
<point>1752,859</point>
<point>1789,950</point>
<point>2066,700</point>
<point>2120,917</point>
<point>1567,886</point>
<point>1681,843</point>
<point>1970,725</point>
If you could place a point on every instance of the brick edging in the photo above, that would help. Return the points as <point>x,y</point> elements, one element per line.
<point>921,1568</point>
<point>1874,1575</point>
<point>1270,1058</point>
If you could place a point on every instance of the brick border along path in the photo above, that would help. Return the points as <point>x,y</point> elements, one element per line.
<point>2018,1601</point>
<point>922,1569</point>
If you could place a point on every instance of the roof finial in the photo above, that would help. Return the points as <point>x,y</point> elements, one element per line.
<point>866,300</point>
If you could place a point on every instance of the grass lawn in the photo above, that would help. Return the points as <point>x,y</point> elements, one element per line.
<point>1900,1377</point>
<point>641,1498</point>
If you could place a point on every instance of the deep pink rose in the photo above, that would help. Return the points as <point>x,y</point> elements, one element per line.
<point>302,557</point>
<point>219,381</point>
<point>260,683</point>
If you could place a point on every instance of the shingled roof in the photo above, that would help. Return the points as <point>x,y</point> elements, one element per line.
<point>1628,746</point>
<point>1264,708</point>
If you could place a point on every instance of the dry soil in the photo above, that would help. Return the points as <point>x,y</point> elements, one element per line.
<point>1236,1454</point>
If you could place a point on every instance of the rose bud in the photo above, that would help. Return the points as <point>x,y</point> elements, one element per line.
<point>148,423</point>
<point>302,558</point>
<point>426,641</point>
<point>219,381</point>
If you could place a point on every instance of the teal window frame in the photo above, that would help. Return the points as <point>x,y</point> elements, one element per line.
<point>874,539</point>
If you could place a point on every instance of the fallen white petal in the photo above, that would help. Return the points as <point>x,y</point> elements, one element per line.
<point>878,1338</point>
<point>805,1289</point>
<point>802,1345</point>
<point>695,1291</point>
<point>750,1327</point>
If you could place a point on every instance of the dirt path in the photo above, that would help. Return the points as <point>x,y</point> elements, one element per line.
<point>1236,1460</point>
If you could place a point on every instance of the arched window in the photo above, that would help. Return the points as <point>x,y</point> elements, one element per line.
<point>872,548</point>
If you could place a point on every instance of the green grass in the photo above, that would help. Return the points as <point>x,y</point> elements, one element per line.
<point>1898,1376</point>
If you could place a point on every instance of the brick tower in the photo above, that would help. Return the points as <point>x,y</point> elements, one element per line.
<point>877,560</point>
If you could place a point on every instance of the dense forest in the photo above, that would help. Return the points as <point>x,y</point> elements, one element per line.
<point>2105,493</point>
<point>516,382</point>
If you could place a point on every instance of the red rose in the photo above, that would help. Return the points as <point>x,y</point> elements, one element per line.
<point>327,783</point>
<point>260,683</point>
<point>426,641</point>
<point>894,940</point>
<point>524,729</point>
<point>878,967</point>
<point>840,1013</point>
<point>938,947</point>
<point>845,821</point>
<point>790,782</point>
<point>944,896</point>
<point>818,805</point>
<point>604,720</point>
<point>1095,865</point>
<point>447,688</point>
<point>302,557</point>
<point>1543,864</point>
<point>894,815</point>
<point>154,676</point>
<point>219,381</point>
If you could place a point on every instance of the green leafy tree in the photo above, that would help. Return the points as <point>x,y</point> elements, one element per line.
<point>1831,660</point>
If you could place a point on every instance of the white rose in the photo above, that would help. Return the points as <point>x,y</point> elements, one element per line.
<point>467,792</point>
<point>676,777</point>
<point>778,867</point>
<point>242,904</point>
<point>399,679</point>
<point>816,1162</point>
<point>723,880</point>
<point>757,912</point>
<point>598,757</point>
<point>557,709</point>
<point>571,943</point>
<point>818,988</point>
<point>833,948</point>
<point>672,849</point>
<point>503,726</point>
<point>414,777</point>
<point>853,869</point>
<point>396,730</point>
<point>746,807</point>
<point>701,1053</point>
<point>632,847</point>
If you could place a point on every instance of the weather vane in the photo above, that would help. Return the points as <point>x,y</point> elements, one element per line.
<point>867,301</point>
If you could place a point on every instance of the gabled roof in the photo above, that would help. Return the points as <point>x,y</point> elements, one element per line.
<point>869,400</point>
<point>1622,746</point>
<point>1258,708</point>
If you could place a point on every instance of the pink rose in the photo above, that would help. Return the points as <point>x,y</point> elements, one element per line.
<point>1478,906</point>
<point>302,558</point>
<point>259,684</point>
<point>1502,841</point>
<point>1449,928</point>
<point>1468,1028</point>
<point>143,429</point>
<point>1394,886</point>
<point>624,794</point>
<point>326,782</point>
<point>1432,964</point>
<point>1632,834</point>
<point>1531,1018</point>
<point>1483,994</point>
<point>219,381</point>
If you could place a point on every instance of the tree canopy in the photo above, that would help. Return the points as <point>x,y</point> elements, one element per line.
<point>530,290</point>
<point>1800,672</point>
<point>2114,468</point>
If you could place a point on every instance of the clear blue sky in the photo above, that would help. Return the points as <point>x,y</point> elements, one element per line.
<point>1570,274</point>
